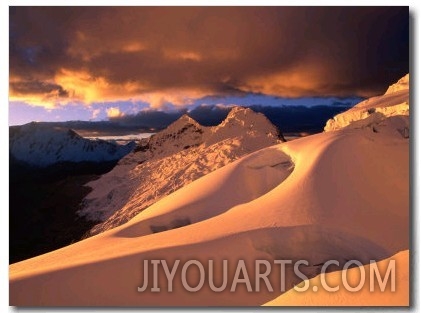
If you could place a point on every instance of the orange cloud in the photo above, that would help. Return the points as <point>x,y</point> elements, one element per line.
<point>72,86</point>
<point>85,87</point>
<point>183,55</point>
<point>177,97</point>
<point>311,77</point>
<point>304,79</point>
<point>47,94</point>
<point>95,113</point>
<point>47,101</point>
<point>133,46</point>
<point>88,46</point>
<point>81,86</point>
<point>114,112</point>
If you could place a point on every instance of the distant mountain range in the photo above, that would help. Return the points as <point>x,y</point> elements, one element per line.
<point>291,119</point>
<point>42,144</point>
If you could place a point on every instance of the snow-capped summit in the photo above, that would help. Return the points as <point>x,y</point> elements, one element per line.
<point>41,145</point>
<point>179,125</point>
<point>242,121</point>
<point>239,110</point>
<point>373,111</point>
<point>181,134</point>
<point>184,119</point>
<point>171,159</point>
<point>244,117</point>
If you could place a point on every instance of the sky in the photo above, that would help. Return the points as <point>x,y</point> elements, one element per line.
<point>116,63</point>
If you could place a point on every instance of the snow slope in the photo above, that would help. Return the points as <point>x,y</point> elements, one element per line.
<point>318,296</point>
<point>341,195</point>
<point>372,111</point>
<point>171,159</point>
<point>40,144</point>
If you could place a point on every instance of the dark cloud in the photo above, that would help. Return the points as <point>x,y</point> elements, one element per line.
<point>37,87</point>
<point>172,54</point>
<point>209,115</point>
<point>149,119</point>
<point>291,119</point>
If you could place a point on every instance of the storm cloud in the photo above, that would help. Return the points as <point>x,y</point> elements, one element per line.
<point>34,87</point>
<point>175,55</point>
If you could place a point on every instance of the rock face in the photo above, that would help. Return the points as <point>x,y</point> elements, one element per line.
<point>171,159</point>
<point>374,111</point>
<point>42,145</point>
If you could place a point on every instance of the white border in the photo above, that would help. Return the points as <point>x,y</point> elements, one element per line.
<point>4,142</point>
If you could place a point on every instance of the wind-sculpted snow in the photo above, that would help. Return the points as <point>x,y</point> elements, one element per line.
<point>395,102</point>
<point>254,176</point>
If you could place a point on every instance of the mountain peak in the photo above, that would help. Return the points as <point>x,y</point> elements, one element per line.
<point>181,134</point>
<point>240,111</point>
<point>242,121</point>
<point>183,121</point>
<point>246,117</point>
<point>186,117</point>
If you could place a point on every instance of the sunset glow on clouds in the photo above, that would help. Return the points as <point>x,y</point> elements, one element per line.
<point>114,112</point>
<point>174,56</point>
